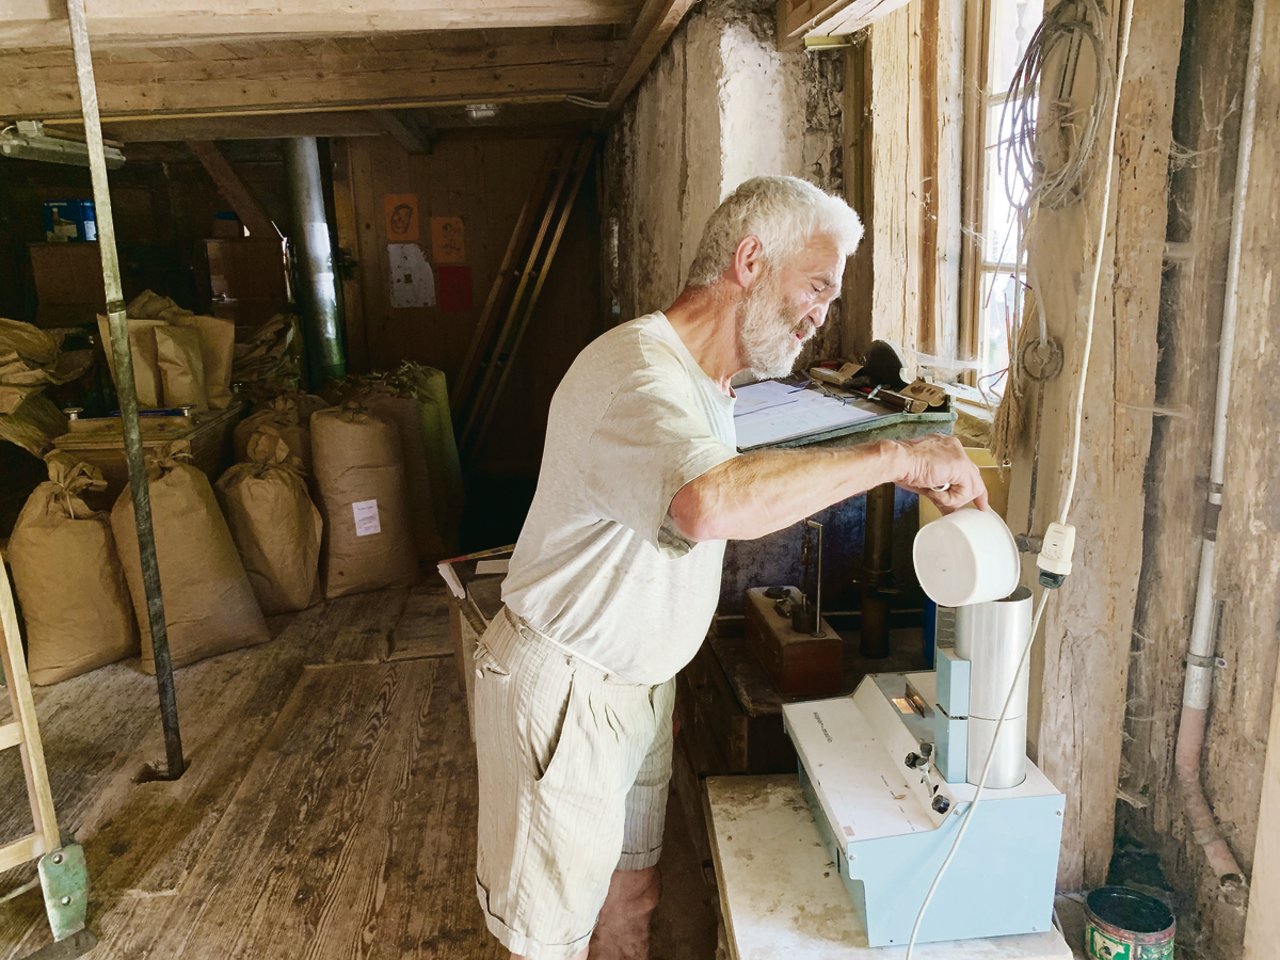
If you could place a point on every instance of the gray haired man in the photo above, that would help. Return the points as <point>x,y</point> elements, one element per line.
<point>616,574</point>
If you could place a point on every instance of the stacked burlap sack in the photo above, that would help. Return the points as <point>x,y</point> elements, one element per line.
<point>290,415</point>
<point>31,360</point>
<point>209,605</point>
<point>361,488</point>
<point>69,578</point>
<point>415,398</point>
<point>267,358</point>
<point>276,528</point>
<point>179,358</point>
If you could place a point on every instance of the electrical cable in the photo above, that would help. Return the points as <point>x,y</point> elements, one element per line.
<point>1122,60</point>
<point>982,780</point>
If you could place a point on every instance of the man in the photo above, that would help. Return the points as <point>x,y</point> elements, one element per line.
<point>616,574</point>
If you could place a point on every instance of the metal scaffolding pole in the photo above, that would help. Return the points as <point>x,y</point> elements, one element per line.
<point>125,390</point>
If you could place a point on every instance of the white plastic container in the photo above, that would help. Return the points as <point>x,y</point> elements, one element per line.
<point>966,557</point>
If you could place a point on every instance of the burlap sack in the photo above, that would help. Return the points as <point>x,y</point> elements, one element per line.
<point>146,366</point>
<point>359,477</point>
<point>290,415</point>
<point>217,351</point>
<point>208,603</point>
<point>68,577</point>
<point>181,366</point>
<point>406,414</point>
<point>276,527</point>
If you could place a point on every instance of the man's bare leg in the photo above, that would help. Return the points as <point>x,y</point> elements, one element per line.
<point>622,932</point>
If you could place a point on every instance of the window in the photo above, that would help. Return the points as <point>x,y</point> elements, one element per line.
<point>994,271</point>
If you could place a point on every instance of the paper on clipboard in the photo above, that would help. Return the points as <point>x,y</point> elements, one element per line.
<point>781,412</point>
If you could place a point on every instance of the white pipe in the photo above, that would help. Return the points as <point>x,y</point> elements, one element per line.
<point>1198,688</point>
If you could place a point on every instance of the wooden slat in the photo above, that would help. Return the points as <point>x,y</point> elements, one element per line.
<point>348,123</point>
<point>430,70</point>
<point>653,28</point>
<point>42,23</point>
<point>10,734</point>
<point>21,851</point>
<point>801,19</point>
<point>402,132</point>
<point>24,713</point>
<point>236,192</point>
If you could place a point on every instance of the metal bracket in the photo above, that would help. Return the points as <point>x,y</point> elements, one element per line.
<point>1195,660</point>
<point>64,880</point>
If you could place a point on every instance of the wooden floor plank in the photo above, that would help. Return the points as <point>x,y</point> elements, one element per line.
<point>328,812</point>
<point>423,630</point>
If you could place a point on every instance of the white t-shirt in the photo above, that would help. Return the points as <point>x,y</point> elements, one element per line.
<point>599,568</point>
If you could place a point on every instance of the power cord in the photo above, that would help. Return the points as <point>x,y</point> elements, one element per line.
<point>1054,561</point>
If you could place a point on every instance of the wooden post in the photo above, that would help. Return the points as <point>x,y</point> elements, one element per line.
<point>1081,659</point>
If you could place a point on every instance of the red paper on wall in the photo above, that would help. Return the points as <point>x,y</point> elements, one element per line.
<point>453,288</point>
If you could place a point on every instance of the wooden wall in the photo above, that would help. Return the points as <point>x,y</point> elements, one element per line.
<point>902,157</point>
<point>485,180</point>
<point>1079,664</point>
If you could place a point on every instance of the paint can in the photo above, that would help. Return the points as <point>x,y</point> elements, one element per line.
<point>1123,924</point>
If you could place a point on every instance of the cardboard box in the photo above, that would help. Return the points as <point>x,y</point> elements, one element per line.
<point>69,286</point>
<point>70,220</point>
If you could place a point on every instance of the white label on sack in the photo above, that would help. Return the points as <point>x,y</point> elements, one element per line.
<point>366,517</point>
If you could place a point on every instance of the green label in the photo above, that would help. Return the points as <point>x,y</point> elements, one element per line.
<point>1102,947</point>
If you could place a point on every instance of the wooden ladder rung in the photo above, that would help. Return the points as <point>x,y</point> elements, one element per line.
<point>21,851</point>
<point>10,734</point>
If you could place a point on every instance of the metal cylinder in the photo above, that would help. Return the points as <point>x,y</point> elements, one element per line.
<point>317,287</point>
<point>992,637</point>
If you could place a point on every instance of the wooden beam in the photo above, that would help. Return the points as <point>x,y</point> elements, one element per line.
<point>403,131</point>
<point>43,23</point>
<point>653,28</point>
<point>241,198</point>
<point>799,20</point>
<point>349,123</point>
<point>288,77</point>
<point>1081,658</point>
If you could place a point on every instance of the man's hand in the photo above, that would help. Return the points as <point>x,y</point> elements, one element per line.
<point>936,466</point>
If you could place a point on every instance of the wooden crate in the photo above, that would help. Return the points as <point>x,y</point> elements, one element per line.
<point>100,442</point>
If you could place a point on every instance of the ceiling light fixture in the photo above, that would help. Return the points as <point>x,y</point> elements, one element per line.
<point>481,111</point>
<point>26,140</point>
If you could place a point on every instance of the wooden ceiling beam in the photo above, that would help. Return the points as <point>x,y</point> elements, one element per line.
<point>234,190</point>
<point>799,20</point>
<point>278,78</point>
<point>656,22</point>
<point>43,23</point>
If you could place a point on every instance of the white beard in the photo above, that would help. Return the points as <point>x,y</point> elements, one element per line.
<point>766,340</point>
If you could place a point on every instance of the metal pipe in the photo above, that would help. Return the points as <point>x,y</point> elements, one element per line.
<point>317,286</point>
<point>1198,688</point>
<point>125,390</point>
<point>874,575</point>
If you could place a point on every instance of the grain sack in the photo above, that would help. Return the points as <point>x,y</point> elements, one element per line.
<point>276,527</point>
<point>217,351</point>
<point>290,415</point>
<point>431,389</point>
<point>142,348</point>
<point>68,577</point>
<point>181,366</point>
<point>406,414</point>
<point>208,603</point>
<point>359,477</point>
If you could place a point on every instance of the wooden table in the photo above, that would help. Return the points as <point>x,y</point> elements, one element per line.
<point>780,896</point>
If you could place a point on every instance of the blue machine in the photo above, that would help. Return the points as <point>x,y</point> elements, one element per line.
<point>887,773</point>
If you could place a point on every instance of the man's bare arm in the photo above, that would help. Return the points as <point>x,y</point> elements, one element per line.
<point>758,493</point>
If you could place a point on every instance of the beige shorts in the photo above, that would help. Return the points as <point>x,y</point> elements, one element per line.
<point>574,768</point>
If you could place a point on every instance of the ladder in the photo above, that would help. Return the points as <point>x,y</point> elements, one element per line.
<point>60,866</point>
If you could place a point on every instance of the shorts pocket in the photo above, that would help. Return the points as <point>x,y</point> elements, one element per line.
<point>553,731</point>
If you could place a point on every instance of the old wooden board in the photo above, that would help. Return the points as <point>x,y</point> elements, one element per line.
<point>780,896</point>
<point>423,629</point>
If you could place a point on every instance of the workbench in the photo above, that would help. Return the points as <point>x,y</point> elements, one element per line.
<point>781,899</point>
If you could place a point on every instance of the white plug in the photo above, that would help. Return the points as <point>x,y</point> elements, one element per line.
<point>1054,560</point>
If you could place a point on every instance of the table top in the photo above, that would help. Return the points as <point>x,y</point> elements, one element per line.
<point>781,896</point>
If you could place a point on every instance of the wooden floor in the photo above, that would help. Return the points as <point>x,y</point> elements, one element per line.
<point>328,811</point>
